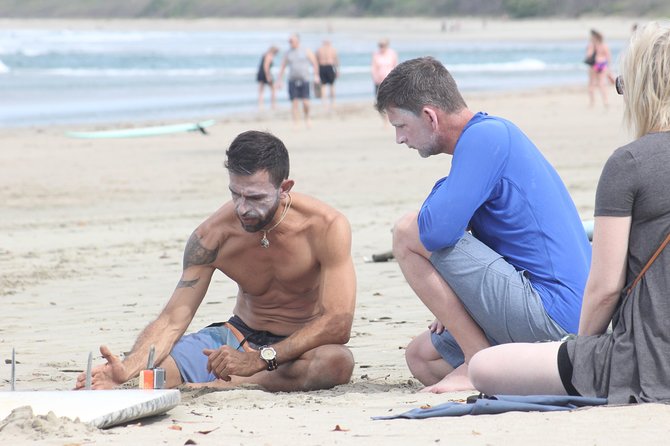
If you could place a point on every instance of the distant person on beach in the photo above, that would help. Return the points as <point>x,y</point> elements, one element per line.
<point>497,251</point>
<point>264,76</point>
<point>326,56</point>
<point>290,256</point>
<point>598,58</point>
<point>384,60</point>
<point>630,362</point>
<point>299,62</point>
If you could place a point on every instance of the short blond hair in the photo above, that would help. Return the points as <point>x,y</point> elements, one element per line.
<point>645,68</point>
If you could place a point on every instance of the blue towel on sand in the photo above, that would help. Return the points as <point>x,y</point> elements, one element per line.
<point>500,404</point>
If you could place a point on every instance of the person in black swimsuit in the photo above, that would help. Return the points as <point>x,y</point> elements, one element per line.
<point>264,76</point>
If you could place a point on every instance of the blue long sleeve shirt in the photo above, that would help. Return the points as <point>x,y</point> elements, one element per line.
<point>503,189</point>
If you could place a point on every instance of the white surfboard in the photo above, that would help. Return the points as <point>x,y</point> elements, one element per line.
<point>145,131</point>
<point>99,408</point>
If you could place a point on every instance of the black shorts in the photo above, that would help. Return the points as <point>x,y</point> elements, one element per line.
<point>298,89</point>
<point>255,338</point>
<point>327,74</point>
<point>565,370</point>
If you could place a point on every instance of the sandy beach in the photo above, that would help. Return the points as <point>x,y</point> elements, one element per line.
<point>91,239</point>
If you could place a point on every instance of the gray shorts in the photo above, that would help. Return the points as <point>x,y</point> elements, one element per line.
<point>499,298</point>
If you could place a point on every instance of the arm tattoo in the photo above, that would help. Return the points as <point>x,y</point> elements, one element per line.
<point>196,254</point>
<point>187,283</point>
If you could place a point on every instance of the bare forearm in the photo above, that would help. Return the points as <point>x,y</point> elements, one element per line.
<point>159,334</point>
<point>607,275</point>
<point>597,314</point>
<point>323,331</point>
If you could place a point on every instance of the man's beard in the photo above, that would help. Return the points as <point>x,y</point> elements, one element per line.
<point>262,223</point>
<point>430,149</point>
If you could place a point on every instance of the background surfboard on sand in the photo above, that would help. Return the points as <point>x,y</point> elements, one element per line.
<point>146,131</point>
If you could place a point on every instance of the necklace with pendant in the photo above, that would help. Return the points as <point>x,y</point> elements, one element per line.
<point>265,243</point>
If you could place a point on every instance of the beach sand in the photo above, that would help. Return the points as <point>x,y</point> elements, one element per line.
<point>91,239</point>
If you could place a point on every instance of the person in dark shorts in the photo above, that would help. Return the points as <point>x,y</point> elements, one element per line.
<point>264,76</point>
<point>299,61</point>
<point>630,362</point>
<point>328,61</point>
<point>327,74</point>
<point>289,255</point>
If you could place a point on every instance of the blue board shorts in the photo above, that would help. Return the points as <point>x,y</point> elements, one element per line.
<point>192,362</point>
<point>500,299</point>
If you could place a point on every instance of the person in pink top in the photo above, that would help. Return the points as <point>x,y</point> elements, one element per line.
<point>599,58</point>
<point>383,61</point>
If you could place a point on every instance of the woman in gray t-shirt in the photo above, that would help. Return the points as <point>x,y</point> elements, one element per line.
<point>630,363</point>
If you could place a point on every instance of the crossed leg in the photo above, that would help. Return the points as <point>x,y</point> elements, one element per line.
<point>321,368</point>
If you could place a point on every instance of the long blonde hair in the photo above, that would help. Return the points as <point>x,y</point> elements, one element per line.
<point>646,76</point>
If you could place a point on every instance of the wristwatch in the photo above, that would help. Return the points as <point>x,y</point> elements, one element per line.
<point>269,355</point>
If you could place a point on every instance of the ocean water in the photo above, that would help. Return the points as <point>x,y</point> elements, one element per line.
<point>77,77</point>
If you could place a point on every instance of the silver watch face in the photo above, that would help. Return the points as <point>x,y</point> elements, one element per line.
<point>268,353</point>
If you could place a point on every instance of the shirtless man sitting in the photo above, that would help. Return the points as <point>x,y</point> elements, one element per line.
<point>290,256</point>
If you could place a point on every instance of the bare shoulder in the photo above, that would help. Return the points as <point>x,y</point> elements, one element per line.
<point>204,243</point>
<point>316,209</point>
<point>322,221</point>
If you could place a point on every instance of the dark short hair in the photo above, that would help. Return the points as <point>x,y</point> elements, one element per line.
<point>253,151</point>
<point>597,35</point>
<point>416,83</point>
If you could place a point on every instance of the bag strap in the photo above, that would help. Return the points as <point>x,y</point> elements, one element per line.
<point>646,267</point>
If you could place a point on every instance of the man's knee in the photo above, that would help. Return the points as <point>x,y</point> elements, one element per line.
<point>172,374</point>
<point>405,235</point>
<point>341,362</point>
<point>332,366</point>
<point>424,361</point>
<point>416,352</point>
<point>417,358</point>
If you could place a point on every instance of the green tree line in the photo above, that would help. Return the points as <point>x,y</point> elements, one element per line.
<point>327,8</point>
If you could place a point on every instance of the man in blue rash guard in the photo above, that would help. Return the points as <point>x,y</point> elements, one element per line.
<point>497,251</point>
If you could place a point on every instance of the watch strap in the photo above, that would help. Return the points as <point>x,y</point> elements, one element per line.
<point>272,364</point>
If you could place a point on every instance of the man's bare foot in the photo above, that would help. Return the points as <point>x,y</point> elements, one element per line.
<point>455,381</point>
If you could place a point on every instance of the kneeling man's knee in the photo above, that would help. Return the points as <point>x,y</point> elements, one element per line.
<point>416,351</point>
<point>405,233</point>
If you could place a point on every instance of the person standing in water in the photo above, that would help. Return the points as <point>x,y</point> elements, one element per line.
<point>329,63</point>
<point>298,60</point>
<point>599,58</point>
<point>264,76</point>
